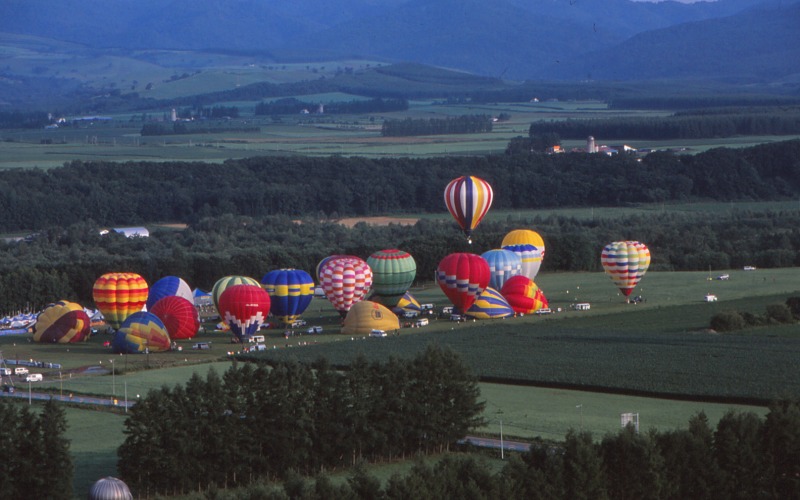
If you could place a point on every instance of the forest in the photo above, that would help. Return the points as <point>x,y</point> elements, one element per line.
<point>455,125</point>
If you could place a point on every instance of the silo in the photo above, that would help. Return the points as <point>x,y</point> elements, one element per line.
<point>591,147</point>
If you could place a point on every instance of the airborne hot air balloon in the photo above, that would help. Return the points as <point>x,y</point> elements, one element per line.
<point>462,277</point>
<point>223,284</point>
<point>529,245</point>
<point>345,281</point>
<point>523,295</point>
<point>290,292</point>
<point>468,199</point>
<point>179,316</point>
<point>62,322</point>
<point>142,331</point>
<point>166,286</point>
<point>503,264</point>
<point>625,262</point>
<point>244,308</point>
<point>393,272</point>
<point>118,295</point>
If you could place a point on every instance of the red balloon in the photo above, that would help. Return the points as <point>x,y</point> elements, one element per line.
<point>462,277</point>
<point>523,295</point>
<point>178,315</point>
<point>244,308</point>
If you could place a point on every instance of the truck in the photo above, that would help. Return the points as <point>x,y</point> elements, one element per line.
<point>20,370</point>
<point>34,377</point>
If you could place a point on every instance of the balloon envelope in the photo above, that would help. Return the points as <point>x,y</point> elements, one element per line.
<point>290,292</point>
<point>503,264</point>
<point>462,277</point>
<point>345,281</point>
<point>407,303</point>
<point>366,316</point>
<point>523,295</point>
<point>529,246</point>
<point>625,262</point>
<point>489,305</point>
<point>468,199</point>
<point>166,286</point>
<point>179,316</point>
<point>142,331</point>
<point>62,322</point>
<point>393,272</point>
<point>222,284</point>
<point>118,295</point>
<point>244,308</point>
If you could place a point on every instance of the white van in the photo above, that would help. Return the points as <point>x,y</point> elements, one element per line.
<point>20,371</point>
<point>5,372</point>
<point>34,377</point>
<point>422,322</point>
<point>377,333</point>
<point>255,339</point>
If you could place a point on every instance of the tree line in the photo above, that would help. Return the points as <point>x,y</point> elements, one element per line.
<point>677,126</point>
<point>465,124</point>
<point>262,422</point>
<point>182,128</point>
<point>292,106</point>
<point>36,462</point>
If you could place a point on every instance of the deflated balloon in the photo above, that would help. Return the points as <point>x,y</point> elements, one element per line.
<point>523,295</point>
<point>407,304</point>
<point>62,323</point>
<point>490,305</point>
<point>345,281</point>
<point>462,277</point>
<point>529,246</point>
<point>244,308</point>
<point>179,316</point>
<point>141,332</point>
<point>166,286</point>
<point>290,292</point>
<point>625,262</point>
<point>118,295</point>
<point>393,272</point>
<point>468,199</point>
<point>367,316</point>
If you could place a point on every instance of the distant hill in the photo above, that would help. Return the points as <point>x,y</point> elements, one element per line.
<point>509,39</point>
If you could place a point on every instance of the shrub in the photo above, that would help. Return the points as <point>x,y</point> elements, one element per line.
<point>727,321</point>
<point>779,313</point>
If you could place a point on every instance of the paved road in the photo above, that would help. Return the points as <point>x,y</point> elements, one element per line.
<point>88,400</point>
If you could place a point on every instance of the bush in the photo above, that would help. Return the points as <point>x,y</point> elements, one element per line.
<point>727,321</point>
<point>779,313</point>
<point>793,303</point>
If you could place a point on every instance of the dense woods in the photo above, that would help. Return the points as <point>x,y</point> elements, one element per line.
<point>263,422</point>
<point>36,460</point>
<point>293,106</point>
<point>457,125</point>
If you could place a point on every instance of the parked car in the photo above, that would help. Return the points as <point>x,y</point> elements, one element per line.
<point>377,333</point>
<point>544,310</point>
<point>20,370</point>
<point>314,329</point>
<point>34,377</point>
<point>202,345</point>
<point>711,298</point>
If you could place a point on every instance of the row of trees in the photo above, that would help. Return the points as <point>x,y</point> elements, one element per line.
<point>729,321</point>
<point>61,263</point>
<point>36,462</point>
<point>181,128</point>
<point>679,126</point>
<point>134,193</point>
<point>466,124</point>
<point>292,106</point>
<point>262,422</point>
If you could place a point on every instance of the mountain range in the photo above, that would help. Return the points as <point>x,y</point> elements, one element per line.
<point>724,40</point>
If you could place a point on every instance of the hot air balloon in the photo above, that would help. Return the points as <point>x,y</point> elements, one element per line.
<point>462,277</point>
<point>345,281</point>
<point>407,304</point>
<point>179,316</point>
<point>503,264</point>
<point>142,331</point>
<point>393,272</point>
<point>228,281</point>
<point>290,292</point>
<point>62,322</point>
<point>326,260</point>
<point>489,305</point>
<point>366,316</point>
<point>468,199</point>
<point>523,295</point>
<point>166,286</point>
<point>625,262</point>
<point>244,308</point>
<point>530,248</point>
<point>118,295</point>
